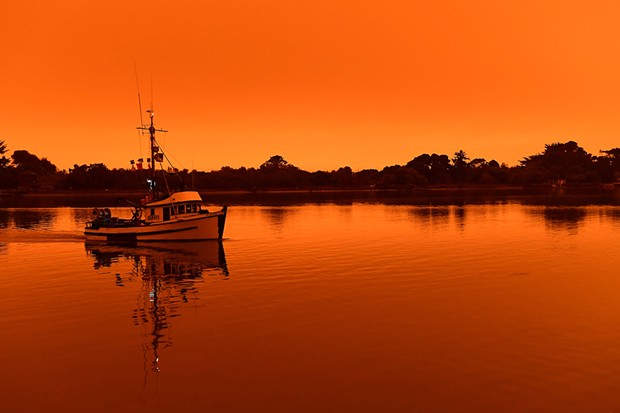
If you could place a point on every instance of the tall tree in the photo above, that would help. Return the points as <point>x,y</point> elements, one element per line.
<point>559,160</point>
<point>4,161</point>
<point>609,164</point>
<point>435,168</point>
<point>7,173</point>
<point>460,165</point>
<point>274,163</point>
<point>460,159</point>
<point>27,162</point>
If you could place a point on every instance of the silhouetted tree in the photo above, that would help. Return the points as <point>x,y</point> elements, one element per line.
<point>402,177</point>
<point>498,173</point>
<point>274,163</point>
<point>558,161</point>
<point>440,169</point>
<point>93,176</point>
<point>460,159</point>
<point>8,177</point>
<point>612,153</point>
<point>366,178</point>
<point>4,161</point>
<point>460,166</point>
<point>608,166</point>
<point>277,172</point>
<point>566,161</point>
<point>422,164</point>
<point>435,168</point>
<point>321,179</point>
<point>343,177</point>
<point>24,161</point>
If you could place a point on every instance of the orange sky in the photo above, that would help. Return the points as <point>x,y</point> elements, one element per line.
<point>324,83</point>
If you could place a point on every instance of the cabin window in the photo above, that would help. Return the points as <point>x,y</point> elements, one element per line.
<point>182,209</point>
<point>152,216</point>
<point>193,207</point>
<point>166,214</point>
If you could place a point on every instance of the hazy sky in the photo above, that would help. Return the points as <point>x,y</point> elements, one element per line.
<point>324,83</point>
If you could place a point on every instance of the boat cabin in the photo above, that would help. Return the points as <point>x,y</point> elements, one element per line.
<point>176,206</point>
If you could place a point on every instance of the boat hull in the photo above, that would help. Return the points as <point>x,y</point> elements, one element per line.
<point>207,226</point>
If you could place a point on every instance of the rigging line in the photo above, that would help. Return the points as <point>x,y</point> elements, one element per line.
<point>176,161</point>
<point>139,99</point>
<point>164,175</point>
<point>175,170</point>
<point>171,157</point>
<point>135,66</point>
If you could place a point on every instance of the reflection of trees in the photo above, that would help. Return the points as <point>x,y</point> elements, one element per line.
<point>31,219</point>
<point>561,218</point>
<point>431,216</point>
<point>459,216</point>
<point>613,214</point>
<point>441,215</point>
<point>4,218</point>
<point>565,217</point>
<point>277,217</point>
<point>169,278</point>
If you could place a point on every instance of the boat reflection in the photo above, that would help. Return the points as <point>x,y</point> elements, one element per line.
<point>169,274</point>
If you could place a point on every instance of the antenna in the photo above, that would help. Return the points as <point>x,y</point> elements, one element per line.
<point>151,93</point>
<point>140,133</point>
<point>139,99</point>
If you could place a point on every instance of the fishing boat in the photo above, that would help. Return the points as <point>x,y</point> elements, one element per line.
<point>160,216</point>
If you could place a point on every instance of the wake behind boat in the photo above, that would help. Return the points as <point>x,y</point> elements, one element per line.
<point>177,216</point>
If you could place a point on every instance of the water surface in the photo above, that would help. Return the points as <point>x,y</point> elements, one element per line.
<point>505,306</point>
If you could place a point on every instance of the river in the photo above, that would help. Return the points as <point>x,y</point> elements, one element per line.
<point>509,306</point>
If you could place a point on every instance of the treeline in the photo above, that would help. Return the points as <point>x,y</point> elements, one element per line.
<point>565,163</point>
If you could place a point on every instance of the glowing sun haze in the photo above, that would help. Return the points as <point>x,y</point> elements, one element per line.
<point>323,83</point>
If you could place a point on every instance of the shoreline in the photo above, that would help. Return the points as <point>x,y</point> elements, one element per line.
<point>280,197</point>
<point>585,188</point>
<point>431,195</point>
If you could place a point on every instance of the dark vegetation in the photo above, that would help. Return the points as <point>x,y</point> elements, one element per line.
<point>560,163</point>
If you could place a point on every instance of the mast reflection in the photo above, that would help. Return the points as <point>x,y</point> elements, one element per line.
<point>169,274</point>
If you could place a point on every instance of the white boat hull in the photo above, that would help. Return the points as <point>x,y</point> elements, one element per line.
<point>207,226</point>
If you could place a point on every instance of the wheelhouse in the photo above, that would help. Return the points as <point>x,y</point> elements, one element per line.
<point>177,206</point>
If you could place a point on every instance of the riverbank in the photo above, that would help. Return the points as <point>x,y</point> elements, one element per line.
<point>431,188</point>
<point>431,195</point>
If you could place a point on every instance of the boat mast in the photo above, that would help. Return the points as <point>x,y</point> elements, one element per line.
<point>155,152</point>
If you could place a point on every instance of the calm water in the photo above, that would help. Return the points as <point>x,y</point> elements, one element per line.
<point>502,307</point>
